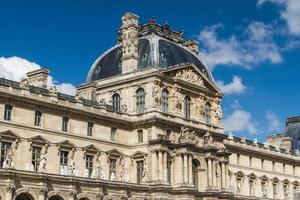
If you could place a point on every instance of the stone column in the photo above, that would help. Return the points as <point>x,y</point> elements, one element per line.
<point>223,175</point>
<point>214,178</point>
<point>185,169</point>
<point>9,190</point>
<point>154,166</point>
<point>160,166</point>
<point>42,194</point>
<point>190,170</point>
<point>226,176</point>
<point>165,167</point>
<point>209,172</point>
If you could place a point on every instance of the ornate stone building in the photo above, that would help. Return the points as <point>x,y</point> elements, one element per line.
<point>145,125</point>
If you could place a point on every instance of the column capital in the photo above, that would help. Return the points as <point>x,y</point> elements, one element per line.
<point>43,191</point>
<point>10,188</point>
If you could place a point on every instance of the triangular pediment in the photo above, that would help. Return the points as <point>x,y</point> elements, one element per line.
<point>138,154</point>
<point>92,148</point>
<point>67,144</point>
<point>8,134</point>
<point>114,153</point>
<point>39,139</point>
<point>190,74</point>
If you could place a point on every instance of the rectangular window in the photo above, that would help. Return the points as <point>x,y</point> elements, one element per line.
<point>37,118</point>
<point>113,133</point>
<point>90,129</point>
<point>250,161</point>
<point>7,112</point>
<point>65,122</point>
<point>63,162</point>
<point>273,165</point>
<point>238,159</point>
<point>139,171</point>
<point>89,165</point>
<point>140,136</point>
<point>283,168</point>
<point>5,146</point>
<point>262,163</point>
<point>36,157</point>
<point>112,169</point>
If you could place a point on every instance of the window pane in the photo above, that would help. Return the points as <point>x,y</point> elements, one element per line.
<point>5,146</point>
<point>140,136</point>
<point>7,112</point>
<point>113,133</point>
<point>140,100</point>
<point>140,169</point>
<point>116,102</point>
<point>90,129</point>
<point>37,119</point>
<point>112,169</point>
<point>65,124</point>
<point>36,156</point>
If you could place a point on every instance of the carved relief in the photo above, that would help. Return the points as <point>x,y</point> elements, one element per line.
<point>189,75</point>
<point>218,112</point>
<point>187,136</point>
<point>207,139</point>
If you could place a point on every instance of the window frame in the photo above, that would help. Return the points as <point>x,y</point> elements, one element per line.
<point>187,107</point>
<point>116,102</point>
<point>140,100</point>
<point>8,109</point>
<point>139,171</point>
<point>3,151</point>
<point>63,160</point>
<point>65,124</point>
<point>89,164</point>
<point>140,136</point>
<point>36,157</point>
<point>38,118</point>
<point>112,168</point>
<point>90,127</point>
<point>207,113</point>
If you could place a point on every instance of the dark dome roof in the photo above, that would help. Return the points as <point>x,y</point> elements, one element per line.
<point>154,51</point>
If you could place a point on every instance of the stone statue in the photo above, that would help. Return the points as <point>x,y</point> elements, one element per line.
<point>122,172</point>
<point>8,161</point>
<point>144,174</point>
<point>156,94</point>
<point>100,170</point>
<point>189,75</point>
<point>43,164</point>
<point>218,112</point>
<point>239,186</point>
<point>72,166</point>
<point>177,100</point>
<point>264,190</point>
<point>24,83</point>
<point>207,139</point>
<point>53,90</point>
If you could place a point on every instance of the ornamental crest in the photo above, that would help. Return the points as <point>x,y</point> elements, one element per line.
<point>187,136</point>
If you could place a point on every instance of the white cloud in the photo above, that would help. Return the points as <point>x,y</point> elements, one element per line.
<point>15,68</point>
<point>273,122</point>
<point>254,46</point>
<point>235,87</point>
<point>239,120</point>
<point>290,12</point>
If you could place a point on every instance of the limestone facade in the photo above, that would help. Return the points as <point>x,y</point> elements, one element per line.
<point>153,133</point>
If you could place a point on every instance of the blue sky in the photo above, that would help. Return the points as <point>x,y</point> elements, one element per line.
<point>252,47</point>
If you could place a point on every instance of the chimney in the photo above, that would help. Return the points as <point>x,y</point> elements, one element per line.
<point>38,78</point>
<point>192,45</point>
<point>129,36</point>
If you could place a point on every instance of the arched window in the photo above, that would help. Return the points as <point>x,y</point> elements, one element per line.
<point>187,107</point>
<point>195,170</point>
<point>165,101</point>
<point>116,102</point>
<point>207,113</point>
<point>140,100</point>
